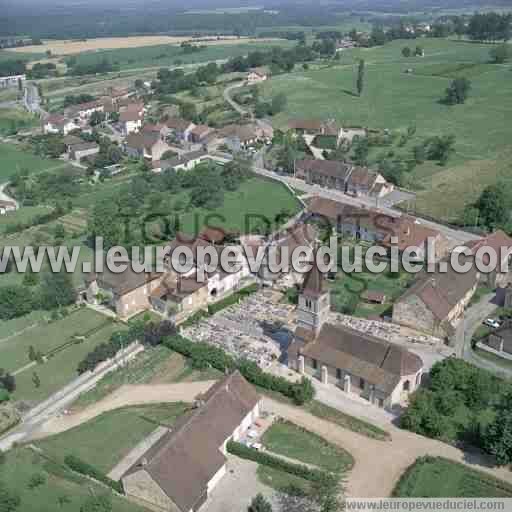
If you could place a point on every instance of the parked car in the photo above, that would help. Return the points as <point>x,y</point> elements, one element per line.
<point>491,322</point>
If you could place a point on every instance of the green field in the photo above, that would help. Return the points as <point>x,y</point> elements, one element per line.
<point>167,55</point>
<point>14,159</point>
<point>281,481</point>
<point>395,100</point>
<point>285,438</point>
<point>435,477</point>
<point>256,196</point>
<point>106,439</point>
<point>22,463</point>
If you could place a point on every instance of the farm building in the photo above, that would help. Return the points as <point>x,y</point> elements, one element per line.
<point>183,467</point>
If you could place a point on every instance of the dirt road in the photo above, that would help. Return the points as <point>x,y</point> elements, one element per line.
<point>125,396</point>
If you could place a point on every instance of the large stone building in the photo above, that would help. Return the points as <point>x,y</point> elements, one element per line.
<point>180,471</point>
<point>381,372</point>
<point>435,302</point>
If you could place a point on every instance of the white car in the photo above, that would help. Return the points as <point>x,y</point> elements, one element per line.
<point>491,322</point>
<point>257,446</point>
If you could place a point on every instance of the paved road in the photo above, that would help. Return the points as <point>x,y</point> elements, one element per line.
<point>36,417</point>
<point>457,236</point>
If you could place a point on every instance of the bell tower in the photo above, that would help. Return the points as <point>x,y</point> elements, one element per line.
<point>314,302</point>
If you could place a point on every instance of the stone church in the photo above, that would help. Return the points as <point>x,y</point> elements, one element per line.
<point>381,372</point>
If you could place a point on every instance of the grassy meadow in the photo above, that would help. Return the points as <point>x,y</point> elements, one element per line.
<point>394,99</point>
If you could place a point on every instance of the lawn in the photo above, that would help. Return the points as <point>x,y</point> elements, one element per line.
<point>395,100</point>
<point>157,365</point>
<point>256,198</point>
<point>60,369</point>
<point>14,159</point>
<point>436,477</point>
<point>285,438</point>
<point>14,352</point>
<point>106,439</point>
<point>22,463</point>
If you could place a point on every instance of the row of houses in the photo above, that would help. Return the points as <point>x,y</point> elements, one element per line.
<point>345,177</point>
<point>375,226</point>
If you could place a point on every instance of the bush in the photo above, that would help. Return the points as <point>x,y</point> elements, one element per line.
<point>151,334</point>
<point>78,465</point>
<point>300,470</point>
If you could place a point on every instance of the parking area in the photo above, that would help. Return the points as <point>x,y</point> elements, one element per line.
<point>258,329</point>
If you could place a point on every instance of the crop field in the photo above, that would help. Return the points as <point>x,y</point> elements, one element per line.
<point>393,99</point>
<point>168,55</point>
<point>69,47</point>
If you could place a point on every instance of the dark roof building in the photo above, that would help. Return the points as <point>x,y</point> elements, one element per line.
<point>182,468</point>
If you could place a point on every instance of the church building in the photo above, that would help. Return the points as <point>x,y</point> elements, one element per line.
<point>381,372</point>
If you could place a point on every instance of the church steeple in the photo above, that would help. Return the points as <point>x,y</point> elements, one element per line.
<point>314,302</point>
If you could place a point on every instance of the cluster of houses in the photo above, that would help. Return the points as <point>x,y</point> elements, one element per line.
<point>435,302</point>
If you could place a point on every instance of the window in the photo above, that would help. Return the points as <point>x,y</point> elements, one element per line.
<point>338,373</point>
<point>308,303</point>
<point>315,364</point>
<point>361,383</point>
<point>381,403</point>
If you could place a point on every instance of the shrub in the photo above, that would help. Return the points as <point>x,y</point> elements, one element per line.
<point>86,469</point>
<point>265,459</point>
